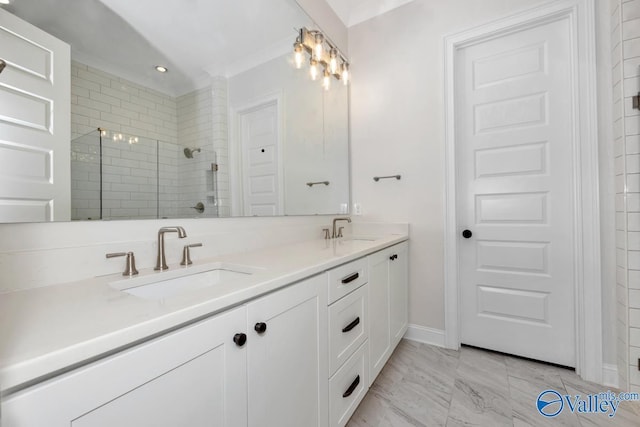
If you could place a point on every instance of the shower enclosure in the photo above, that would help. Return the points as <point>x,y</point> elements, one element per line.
<point>119,176</point>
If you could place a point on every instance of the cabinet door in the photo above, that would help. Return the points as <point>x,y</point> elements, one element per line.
<point>287,361</point>
<point>379,332</point>
<point>398,292</point>
<point>195,376</point>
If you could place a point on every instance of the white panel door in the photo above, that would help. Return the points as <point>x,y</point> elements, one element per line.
<point>260,168</point>
<point>35,93</point>
<point>515,193</point>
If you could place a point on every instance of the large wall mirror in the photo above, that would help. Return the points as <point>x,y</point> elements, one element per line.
<point>231,128</point>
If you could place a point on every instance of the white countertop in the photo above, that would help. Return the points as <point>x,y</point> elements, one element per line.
<point>49,329</point>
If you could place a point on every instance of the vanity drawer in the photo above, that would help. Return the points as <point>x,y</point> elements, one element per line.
<point>348,386</point>
<point>347,278</point>
<point>348,326</point>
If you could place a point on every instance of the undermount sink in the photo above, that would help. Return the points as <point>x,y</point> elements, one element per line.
<point>170,283</point>
<point>360,239</point>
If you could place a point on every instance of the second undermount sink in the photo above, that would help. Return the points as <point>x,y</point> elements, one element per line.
<point>170,283</point>
<point>360,239</point>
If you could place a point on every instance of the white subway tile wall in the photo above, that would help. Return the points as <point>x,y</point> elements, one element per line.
<point>625,36</point>
<point>150,178</point>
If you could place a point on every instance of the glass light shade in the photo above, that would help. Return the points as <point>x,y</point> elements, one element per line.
<point>313,69</point>
<point>333,62</point>
<point>298,55</point>
<point>326,80</point>
<point>318,47</point>
<point>345,75</point>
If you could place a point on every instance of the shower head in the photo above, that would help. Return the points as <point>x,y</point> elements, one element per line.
<point>188,152</point>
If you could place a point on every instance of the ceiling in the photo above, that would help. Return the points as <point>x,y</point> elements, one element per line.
<point>353,12</point>
<point>192,38</point>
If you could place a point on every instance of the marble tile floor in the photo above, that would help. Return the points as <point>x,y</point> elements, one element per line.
<point>423,385</point>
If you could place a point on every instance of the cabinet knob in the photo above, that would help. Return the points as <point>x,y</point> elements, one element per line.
<point>467,233</point>
<point>240,339</point>
<point>260,327</point>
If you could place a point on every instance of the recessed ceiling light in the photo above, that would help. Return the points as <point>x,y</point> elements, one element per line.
<point>159,68</point>
<point>5,1</point>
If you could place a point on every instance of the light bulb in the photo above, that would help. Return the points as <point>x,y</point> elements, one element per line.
<point>298,57</point>
<point>333,62</point>
<point>313,69</point>
<point>318,48</point>
<point>326,80</point>
<point>345,73</point>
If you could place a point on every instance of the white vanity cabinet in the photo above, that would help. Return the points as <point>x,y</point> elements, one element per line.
<point>286,356</point>
<point>218,372</point>
<point>195,376</point>
<point>388,303</point>
<point>300,356</point>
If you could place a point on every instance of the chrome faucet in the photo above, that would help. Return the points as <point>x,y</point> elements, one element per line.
<point>161,263</point>
<point>335,220</point>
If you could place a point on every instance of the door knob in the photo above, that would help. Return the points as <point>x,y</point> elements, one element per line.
<point>467,233</point>
<point>240,339</point>
<point>260,327</point>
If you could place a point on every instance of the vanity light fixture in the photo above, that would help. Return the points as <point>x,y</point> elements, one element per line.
<point>161,69</point>
<point>322,54</point>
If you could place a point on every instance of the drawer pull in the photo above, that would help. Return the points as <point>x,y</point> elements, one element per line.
<point>260,327</point>
<point>394,256</point>
<point>351,325</point>
<point>352,387</point>
<point>350,279</point>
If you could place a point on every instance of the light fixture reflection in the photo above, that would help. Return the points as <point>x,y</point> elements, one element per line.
<point>345,73</point>
<point>326,80</point>
<point>322,54</point>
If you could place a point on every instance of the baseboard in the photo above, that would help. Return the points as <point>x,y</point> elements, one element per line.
<point>610,375</point>
<point>425,335</point>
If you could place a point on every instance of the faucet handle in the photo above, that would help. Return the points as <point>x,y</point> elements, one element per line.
<point>327,234</point>
<point>130,268</point>
<point>340,232</point>
<point>186,253</point>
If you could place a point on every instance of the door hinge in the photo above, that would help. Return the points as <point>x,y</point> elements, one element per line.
<point>636,101</point>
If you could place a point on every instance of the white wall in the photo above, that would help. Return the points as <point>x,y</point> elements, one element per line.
<point>397,127</point>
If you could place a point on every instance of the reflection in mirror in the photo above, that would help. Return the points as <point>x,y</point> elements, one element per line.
<point>232,128</point>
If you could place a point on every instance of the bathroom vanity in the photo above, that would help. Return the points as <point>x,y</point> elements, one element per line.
<point>296,339</point>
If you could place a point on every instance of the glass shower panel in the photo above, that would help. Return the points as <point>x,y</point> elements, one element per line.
<point>85,177</point>
<point>129,177</point>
